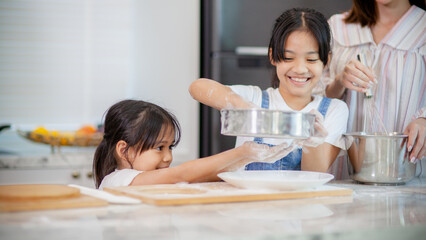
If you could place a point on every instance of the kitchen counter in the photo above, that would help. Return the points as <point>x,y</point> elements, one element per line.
<point>372,212</point>
<point>23,161</point>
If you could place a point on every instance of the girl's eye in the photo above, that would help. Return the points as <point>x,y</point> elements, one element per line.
<point>312,60</point>
<point>161,148</point>
<point>288,59</point>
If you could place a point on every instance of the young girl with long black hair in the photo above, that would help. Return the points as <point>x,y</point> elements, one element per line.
<point>137,149</point>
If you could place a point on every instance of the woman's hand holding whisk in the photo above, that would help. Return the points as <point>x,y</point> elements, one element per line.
<point>416,144</point>
<point>356,76</point>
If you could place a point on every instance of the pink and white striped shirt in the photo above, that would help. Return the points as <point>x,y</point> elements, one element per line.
<point>398,62</point>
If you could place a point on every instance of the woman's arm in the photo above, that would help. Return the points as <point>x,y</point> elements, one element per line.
<point>335,89</point>
<point>217,95</point>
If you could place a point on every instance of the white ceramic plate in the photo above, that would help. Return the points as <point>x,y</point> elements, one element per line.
<point>283,180</point>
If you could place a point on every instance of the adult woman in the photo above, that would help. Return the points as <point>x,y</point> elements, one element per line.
<point>391,34</point>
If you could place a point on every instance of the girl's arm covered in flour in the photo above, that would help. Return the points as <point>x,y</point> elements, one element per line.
<point>206,169</point>
<point>217,95</point>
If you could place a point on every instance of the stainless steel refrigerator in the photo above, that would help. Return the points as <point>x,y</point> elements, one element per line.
<point>234,39</point>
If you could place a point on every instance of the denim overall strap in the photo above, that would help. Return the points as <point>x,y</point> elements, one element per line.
<point>265,104</point>
<point>324,104</point>
<point>265,99</point>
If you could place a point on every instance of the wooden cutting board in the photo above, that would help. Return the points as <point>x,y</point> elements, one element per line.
<point>26,197</point>
<point>218,192</point>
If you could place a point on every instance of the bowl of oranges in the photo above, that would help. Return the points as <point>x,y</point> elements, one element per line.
<point>85,136</point>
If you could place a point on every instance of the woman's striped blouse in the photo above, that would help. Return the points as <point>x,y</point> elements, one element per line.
<point>398,62</point>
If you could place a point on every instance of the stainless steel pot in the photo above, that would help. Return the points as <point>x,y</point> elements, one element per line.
<point>379,158</point>
<point>267,123</point>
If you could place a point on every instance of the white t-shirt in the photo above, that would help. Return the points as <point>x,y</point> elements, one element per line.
<point>119,178</point>
<point>335,120</point>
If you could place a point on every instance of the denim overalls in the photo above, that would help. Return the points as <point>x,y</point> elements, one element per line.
<point>293,159</point>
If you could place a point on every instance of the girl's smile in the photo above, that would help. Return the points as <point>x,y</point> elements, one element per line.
<point>299,80</point>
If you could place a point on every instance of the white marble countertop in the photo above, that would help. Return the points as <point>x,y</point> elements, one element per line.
<point>372,212</point>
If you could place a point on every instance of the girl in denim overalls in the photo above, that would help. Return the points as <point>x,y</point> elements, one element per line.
<point>299,50</point>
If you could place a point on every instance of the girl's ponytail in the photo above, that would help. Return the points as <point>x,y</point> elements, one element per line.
<point>103,162</point>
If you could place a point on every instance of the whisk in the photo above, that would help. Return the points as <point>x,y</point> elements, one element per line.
<point>361,58</point>
<point>372,122</point>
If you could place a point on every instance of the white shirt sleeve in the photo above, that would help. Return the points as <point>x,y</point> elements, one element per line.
<point>250,93</point>
<point>119,178</point>
<point>336,123</point>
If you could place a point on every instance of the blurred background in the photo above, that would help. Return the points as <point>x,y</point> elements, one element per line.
<point>64,62</point>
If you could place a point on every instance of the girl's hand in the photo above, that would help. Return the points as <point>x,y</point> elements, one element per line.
<point>416,144</point>
<point>256,152</point>
<point>356,76</point>
<point>320,132</point>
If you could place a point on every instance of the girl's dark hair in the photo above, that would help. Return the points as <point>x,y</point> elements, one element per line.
<point>139,124</point>
<point>365,12</point>
<point>304,19</point>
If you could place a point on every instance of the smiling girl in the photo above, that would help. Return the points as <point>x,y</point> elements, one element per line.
<point>139,138</point>
<point>299,49</point>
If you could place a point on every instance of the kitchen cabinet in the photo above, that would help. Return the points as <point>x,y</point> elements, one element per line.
<point>72,175</point>
<point>56,168</point>
<point>24,162</point>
